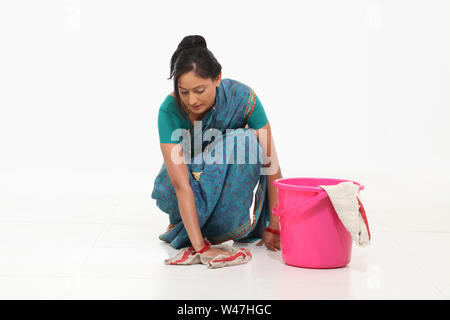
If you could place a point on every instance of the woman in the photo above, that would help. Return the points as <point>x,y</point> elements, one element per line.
<point>211,199</point>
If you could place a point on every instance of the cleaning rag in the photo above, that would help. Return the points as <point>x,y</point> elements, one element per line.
<point>347,204</point>
<point>187,256</point>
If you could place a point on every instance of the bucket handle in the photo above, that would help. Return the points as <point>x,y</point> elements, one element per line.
<point>305,205</point>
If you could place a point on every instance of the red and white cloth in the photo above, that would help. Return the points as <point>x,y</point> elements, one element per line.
<point>345,199</point>
<point>187,256</point>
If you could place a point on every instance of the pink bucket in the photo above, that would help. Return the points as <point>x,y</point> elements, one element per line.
<point>312,235</point>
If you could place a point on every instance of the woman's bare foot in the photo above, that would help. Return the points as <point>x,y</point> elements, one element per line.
<point>170,227</point>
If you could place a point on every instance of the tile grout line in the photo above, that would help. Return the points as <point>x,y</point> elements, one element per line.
<point>49,221</point>
<point>6,275</point>
<point>77,273</point>
<point>419,266</point>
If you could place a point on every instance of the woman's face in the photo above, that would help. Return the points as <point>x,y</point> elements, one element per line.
<point>196,93</point>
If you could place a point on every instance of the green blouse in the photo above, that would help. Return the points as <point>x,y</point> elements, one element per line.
<point>170,119</point>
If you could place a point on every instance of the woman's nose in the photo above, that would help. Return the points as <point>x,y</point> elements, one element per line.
<point>192,100</point>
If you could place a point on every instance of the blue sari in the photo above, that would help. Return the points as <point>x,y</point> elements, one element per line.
<point>224,192</point>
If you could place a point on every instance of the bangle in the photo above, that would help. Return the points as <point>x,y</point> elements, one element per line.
<point>273,231</point>
<point>206,247</point>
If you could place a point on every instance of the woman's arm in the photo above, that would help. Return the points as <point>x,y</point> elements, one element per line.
<point>179,176</point>
<point>271,169</point>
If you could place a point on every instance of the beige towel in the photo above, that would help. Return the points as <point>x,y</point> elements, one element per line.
<point>187,256</point>
<point>345,199</point>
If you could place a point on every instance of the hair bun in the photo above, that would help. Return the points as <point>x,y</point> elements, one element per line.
<point>193,41</point>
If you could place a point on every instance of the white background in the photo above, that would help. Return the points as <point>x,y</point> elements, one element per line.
<point>353,89</point>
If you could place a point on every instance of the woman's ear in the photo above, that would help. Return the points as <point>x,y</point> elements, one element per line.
<point>219,77</point>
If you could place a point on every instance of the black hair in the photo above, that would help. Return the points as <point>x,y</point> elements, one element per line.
<point>192,55</point>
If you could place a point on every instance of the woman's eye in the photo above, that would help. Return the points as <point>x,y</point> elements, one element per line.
<point>198,92</point>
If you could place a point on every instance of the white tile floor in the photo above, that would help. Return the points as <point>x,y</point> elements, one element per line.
<point>106,246</point>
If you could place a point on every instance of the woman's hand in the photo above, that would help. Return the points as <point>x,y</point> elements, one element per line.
<point>271,240</point>
<point>214,252</point>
